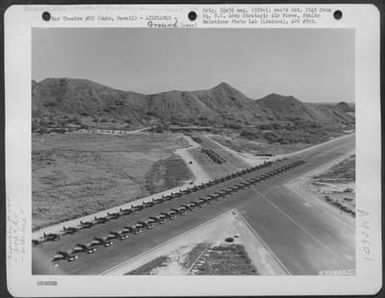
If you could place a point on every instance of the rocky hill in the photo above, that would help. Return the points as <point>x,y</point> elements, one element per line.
<point>286,107</point>
<point>290,108</point>
<point>345,107</point>
<point>85,102</point>
<point>75,97</point>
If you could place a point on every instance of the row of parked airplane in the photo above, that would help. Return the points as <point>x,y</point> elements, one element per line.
<point>196,139</point>
<point>213,155</point>
<point>173,213</point>
<point>122,234</point>
<point>127,211</point>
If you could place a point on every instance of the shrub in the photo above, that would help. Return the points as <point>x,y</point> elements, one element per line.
<point>271,137</point>
<point>232,125</point>
<point>159,129</point>
<point>50,104</point>
<point>151,113</point>
<point>250,133</point>
<point>75,120</point>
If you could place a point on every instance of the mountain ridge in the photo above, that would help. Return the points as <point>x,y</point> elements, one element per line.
<point>95,103</point>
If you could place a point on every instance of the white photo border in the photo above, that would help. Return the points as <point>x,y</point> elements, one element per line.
<point>18,22</point>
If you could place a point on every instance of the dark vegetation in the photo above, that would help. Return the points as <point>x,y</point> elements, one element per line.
<point>148,267</point>
<point>226,260</point>
<point>296,131</point>
<point>193,254</point>
<point>166,173</point>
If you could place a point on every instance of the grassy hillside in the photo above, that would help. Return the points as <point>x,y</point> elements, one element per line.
<point>290,108</point>
<point>60,102</point>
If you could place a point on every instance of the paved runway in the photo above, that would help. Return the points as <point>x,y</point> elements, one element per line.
<point>306,239</point>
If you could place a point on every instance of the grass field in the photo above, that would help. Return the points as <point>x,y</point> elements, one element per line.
<point>243,145</point>
<point>78,174</point>
<point>276,141</point>
<point>344,171</point>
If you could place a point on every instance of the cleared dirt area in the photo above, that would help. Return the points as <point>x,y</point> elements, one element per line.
<point>331,187</point>
<point>216,160</point>
<point>186,154</point>
<point>213,169</point>
<point>337,185</point>
<point>78,174</point>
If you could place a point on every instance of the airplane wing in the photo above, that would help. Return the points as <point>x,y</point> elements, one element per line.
<point>94,243</point>
<point>57,257</point>
<point>76,249</point>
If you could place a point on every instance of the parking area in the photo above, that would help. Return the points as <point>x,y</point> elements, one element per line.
<point>159,211</point>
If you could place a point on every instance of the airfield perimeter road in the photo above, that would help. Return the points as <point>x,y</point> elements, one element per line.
<point>306,238</point>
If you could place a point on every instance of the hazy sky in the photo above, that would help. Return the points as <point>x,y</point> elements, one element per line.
<point>313,65</point>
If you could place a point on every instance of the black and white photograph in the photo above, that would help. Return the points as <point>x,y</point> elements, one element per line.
<point>155,155</point>
<point>223,150</point>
